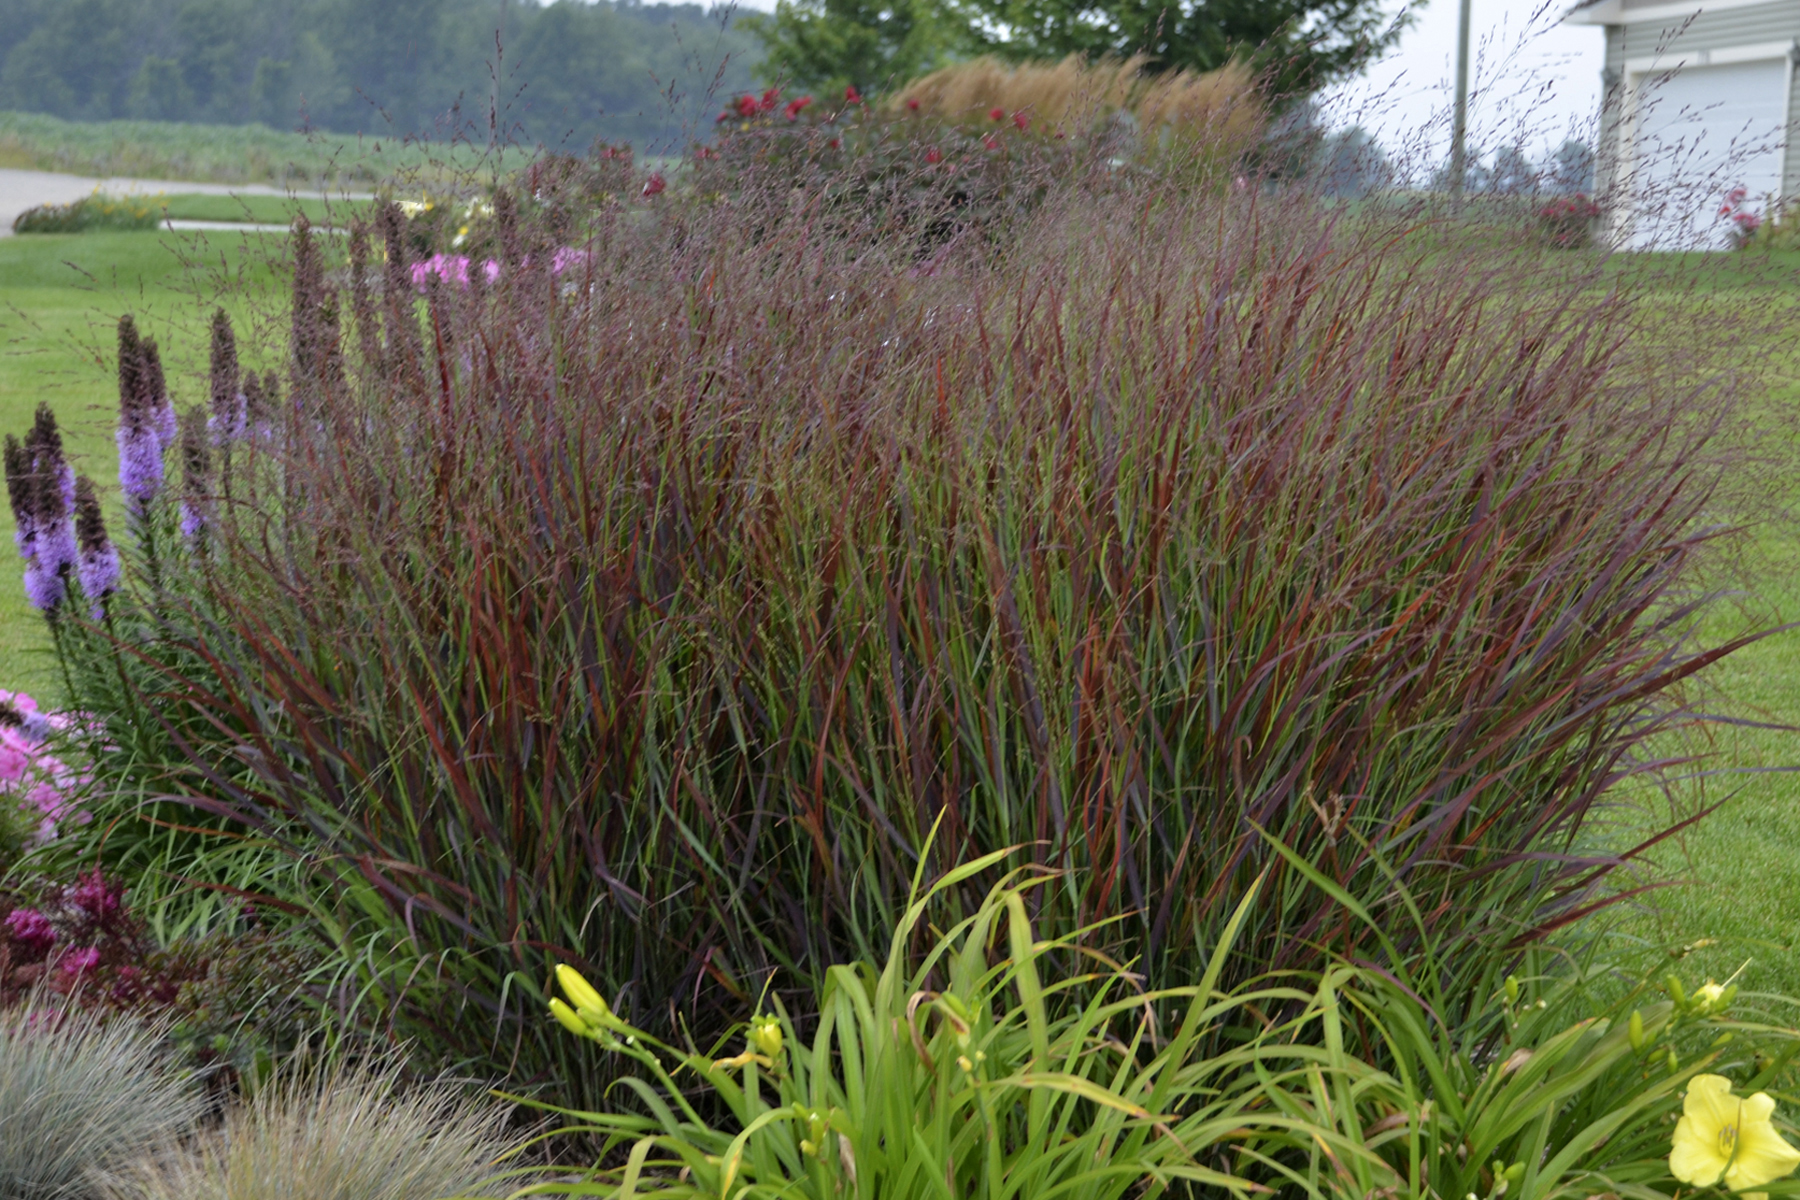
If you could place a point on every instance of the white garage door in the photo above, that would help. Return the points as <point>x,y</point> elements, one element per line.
<point>1701,132</point>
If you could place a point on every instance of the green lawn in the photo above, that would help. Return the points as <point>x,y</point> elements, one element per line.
<point>266,210</point>
<point>61,295</point>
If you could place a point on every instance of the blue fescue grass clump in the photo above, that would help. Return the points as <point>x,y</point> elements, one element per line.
<point>78,1096</point>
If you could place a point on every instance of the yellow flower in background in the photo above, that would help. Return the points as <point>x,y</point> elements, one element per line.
<point>1722,1137</point>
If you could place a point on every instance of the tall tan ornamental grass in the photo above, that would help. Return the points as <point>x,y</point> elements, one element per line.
<point>1076,96</point>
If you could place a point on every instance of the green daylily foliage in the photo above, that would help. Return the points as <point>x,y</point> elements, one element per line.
<point>964,1074</point>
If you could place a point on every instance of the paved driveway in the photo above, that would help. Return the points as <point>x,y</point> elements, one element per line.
<point>20,190</point>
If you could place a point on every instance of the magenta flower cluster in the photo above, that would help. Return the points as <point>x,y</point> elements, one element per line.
<point>455,268</point>
<point>30,775</point>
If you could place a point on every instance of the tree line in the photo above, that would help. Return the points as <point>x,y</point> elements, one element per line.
<point>561,74</point>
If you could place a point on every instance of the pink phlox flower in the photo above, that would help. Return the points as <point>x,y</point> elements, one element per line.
<point>795,105</point>
<point>451,268</point>
<point>94,895</point>
<point>655,185</point>
<point>770,99</point>
<point>31,929</point>
<point>852,96</point>
<point>567,258</point>
<point>996,115</point>
<point>16,756</point>
<point>1022,121</point>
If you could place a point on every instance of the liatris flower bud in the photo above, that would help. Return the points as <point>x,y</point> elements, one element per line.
<point>196,475</point>
<point>140,450</point>
<point>98,570</point>
<point>49,494</point>
<point>227,389</point>
<point>20,493</point>
<point>162,409</point>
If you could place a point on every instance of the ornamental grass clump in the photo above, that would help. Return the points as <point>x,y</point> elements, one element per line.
<point>644,616</point>
<point>77,1096</point>
<point>338,1132</point>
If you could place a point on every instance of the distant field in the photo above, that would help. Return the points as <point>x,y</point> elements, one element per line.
<point>224,153</point>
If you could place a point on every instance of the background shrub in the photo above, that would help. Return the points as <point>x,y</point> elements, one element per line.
<point>644,615</point>
<point>90,213</point>
<point>77,1095</point>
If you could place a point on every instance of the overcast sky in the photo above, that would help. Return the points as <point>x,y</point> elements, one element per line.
<point>1535,79</point>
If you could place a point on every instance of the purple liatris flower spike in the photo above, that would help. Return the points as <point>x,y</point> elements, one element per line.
<point>98,570</point>
<point>44,589</point>
<point>162,409</point>
<point>140,449</point>
<point>196,474</point>
<point>228,399</point>
<point>53,495</point>
<point>20,491</point>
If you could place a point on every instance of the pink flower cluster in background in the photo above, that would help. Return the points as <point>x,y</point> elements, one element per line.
<point>1744,222</point>
<point>454,268</point>
<point>29,774</point>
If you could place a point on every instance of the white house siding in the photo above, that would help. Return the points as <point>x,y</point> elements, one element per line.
<point>1675,32</point>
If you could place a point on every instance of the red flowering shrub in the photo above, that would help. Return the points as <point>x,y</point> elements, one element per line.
<point>880,174</point>
<point>1745,222</point>
<point>1567,221</point>
<point>78,940</point>
<point>231,998</point>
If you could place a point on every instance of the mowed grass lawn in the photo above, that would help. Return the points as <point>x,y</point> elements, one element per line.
<point>1739,870</point>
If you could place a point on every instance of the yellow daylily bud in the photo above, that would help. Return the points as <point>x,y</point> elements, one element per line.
<point>1673,1061</point>
<point>1514,1174</point>
<point>1709,997</point>
<point>566,1017</point>
<point>765,1035</point>
<point>1672,986</point>
<point>1637,1031</point>
<point>1512,990</point>
<point>587,1001</point>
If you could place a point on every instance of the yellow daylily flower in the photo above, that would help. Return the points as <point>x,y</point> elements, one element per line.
<point>1724,1137</point>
